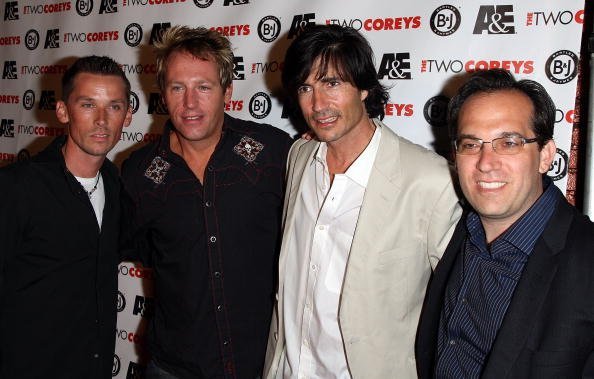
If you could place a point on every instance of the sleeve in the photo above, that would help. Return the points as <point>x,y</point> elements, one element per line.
<point>10,220</point>
<point>134,236</point>
<point>445,216</point>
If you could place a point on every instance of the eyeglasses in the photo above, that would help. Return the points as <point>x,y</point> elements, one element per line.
<point>509,145</point>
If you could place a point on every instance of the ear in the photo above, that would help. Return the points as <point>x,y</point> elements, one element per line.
<point>128,118</point>
<point>547,154</point>
<point>62,112</point>
<point>364,94</point>
<point>228,93</point>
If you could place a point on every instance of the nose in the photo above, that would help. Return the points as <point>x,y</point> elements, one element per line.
<point>189,99</point>
<point>101,118</point>
<point>318,100</point>
<point>488,159</point>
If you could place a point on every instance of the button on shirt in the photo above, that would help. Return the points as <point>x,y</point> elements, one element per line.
<point>319,247</point>
<point>481,287</point>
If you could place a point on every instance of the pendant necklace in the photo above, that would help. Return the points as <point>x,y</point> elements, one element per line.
<point>95,186</point>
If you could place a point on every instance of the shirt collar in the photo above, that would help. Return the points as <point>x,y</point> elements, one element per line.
<point>360,169</point>
<point>528,228</point>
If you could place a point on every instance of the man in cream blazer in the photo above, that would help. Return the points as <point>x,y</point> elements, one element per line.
<point>348,305</point>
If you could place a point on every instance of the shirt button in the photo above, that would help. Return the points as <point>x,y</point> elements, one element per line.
<point>210,168</point>
<point>305,343</point>
<point>463,300</point>
<point>208,204</point>
<point>217,274</point>
<point>213,239</point>
<point>219,308</point>
<point>452,342</point>
<point>314,267</point>
<point>96,355</point>
<point>321,227</point>
<point>225,342</point>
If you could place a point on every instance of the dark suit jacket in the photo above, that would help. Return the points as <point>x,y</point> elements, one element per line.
<point>548,330</point>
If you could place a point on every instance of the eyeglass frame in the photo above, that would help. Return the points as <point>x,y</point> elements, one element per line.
<point>523,139</point>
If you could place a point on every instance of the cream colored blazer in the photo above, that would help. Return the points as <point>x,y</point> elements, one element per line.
<point>409,212</point>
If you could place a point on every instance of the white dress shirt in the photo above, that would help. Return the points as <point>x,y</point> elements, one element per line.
<point>318,252</point>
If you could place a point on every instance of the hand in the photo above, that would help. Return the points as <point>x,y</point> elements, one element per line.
<point>309,135</point>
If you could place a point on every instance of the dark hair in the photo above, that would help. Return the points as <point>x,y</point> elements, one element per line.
<point>92,64</point>
<point>342,48</point>
<point>495,80</point>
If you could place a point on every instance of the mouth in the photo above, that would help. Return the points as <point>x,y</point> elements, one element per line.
<point>100,135</point>
<point>490,185</point>
<point>192,118</point>
<point>325,121</point>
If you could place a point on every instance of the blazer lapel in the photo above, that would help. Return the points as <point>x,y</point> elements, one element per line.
<point>383,186</point>
<point>304,154</point>
<point>530,293</point>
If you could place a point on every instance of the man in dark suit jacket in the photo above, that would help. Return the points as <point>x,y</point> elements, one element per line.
<point>513,296</point>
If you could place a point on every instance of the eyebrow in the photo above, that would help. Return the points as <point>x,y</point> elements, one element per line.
<point>87,98</point>
<point>327,79</point>
<point>501,135</point>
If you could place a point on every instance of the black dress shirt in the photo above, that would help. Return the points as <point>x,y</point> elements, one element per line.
<point>58,271</point>
<point>482,285</point>
<point>213,247</point>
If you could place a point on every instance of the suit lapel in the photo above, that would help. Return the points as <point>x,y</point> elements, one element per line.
<point>529,296</point>
<point>303,155</point>
<point>383,186</point>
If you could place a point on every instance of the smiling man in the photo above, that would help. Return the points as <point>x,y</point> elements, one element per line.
<point>367,216</point>
<point>512,295</point>
<point>207,200</point>
<point>59,228</point>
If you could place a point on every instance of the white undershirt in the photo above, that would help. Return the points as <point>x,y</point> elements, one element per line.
<point>97,198</point>
<point>316,261</point>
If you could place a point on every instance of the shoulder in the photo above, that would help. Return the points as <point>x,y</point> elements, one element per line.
<point>109,169</point>
<point>302,147</point>
<point>256,129</point>
<point>140,158</point>
<point>415,161</point>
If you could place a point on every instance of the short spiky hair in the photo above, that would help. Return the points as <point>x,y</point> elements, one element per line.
<point>200,43</point>
<point>92,64</point>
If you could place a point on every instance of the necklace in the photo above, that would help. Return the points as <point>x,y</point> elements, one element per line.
<point>90,193</point>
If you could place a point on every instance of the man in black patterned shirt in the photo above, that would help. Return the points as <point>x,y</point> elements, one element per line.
<point>207,201</point>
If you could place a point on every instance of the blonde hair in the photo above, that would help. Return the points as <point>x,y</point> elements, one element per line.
<point>200,43</point>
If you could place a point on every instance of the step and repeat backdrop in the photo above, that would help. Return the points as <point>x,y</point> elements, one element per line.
<point>422,51</point>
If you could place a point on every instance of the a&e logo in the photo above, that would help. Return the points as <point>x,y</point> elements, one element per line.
<point>495,19</point>
<point>395,66</point>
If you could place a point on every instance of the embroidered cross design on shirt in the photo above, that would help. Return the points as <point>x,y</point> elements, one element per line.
<point>157,170</point>
<point>248,148</point>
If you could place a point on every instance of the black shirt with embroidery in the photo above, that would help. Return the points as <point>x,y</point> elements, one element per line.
<point>213,247</point>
